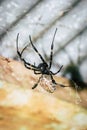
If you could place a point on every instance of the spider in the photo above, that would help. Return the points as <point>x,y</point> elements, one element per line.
<point>43,68</point>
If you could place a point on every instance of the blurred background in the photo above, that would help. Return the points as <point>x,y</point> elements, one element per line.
<point>40,18</point>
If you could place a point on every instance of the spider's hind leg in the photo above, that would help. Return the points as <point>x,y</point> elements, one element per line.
<point>35,85</point>
<point>53,81</point>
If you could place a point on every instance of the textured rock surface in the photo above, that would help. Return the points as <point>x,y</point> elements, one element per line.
<point>22,108</point>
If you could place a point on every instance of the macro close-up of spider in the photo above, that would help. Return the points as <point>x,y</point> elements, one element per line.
<point>43,68</point>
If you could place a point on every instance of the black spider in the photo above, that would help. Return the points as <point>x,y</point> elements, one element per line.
<point>43,68</point>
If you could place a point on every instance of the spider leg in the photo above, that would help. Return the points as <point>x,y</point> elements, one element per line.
<point>57,71</point>
<point>35,72</point>
<point>30,67</point>
<point>20,53</point>
<point>27,65</point>
<point>36,50</point>
<point>54,82</point>
<point>51,54</point>
<point>35,85</point>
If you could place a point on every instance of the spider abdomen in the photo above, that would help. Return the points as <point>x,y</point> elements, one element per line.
<point>47,84</point>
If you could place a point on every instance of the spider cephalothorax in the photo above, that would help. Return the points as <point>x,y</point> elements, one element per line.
<point>43,68</point>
